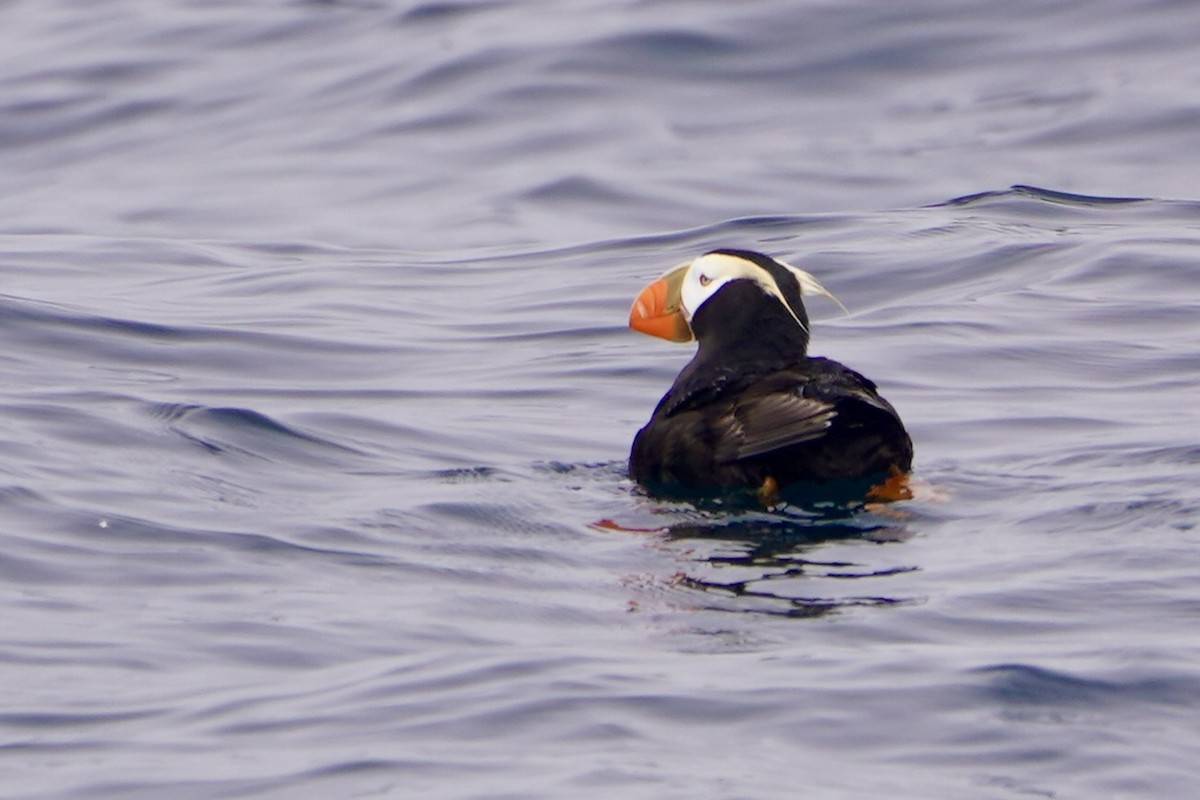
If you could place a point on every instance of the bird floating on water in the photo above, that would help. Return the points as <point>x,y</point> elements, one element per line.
<point>752,410</point>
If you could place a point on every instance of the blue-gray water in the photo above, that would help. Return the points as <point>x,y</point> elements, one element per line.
<point>316,391</point>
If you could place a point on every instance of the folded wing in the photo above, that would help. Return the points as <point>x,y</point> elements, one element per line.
<point>768,422</point>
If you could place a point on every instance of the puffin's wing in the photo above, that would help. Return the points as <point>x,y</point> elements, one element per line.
<point>767,422</point>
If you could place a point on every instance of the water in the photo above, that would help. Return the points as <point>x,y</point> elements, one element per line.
<point>316,396</point>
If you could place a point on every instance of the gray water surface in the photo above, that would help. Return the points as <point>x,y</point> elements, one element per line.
<point>316,395</point>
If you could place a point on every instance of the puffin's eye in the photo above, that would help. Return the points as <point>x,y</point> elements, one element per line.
<point>704,279</point>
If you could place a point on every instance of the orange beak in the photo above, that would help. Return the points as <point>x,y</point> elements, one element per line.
<point>658,309</point>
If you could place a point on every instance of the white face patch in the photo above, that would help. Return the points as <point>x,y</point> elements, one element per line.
<point>710,272</point>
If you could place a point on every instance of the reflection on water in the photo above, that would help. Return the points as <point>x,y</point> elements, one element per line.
<point>767,561</point>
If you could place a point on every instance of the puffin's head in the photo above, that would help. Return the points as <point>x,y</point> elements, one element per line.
<point>665,308</point>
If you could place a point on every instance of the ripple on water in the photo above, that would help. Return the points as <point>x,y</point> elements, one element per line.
<point>317,393</point>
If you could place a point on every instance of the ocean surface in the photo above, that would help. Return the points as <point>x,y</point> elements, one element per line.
<point>316,393</point>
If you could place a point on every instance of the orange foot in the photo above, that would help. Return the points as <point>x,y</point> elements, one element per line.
<point>894,488</point>
<point>902,486</point>
<point>768,493</point>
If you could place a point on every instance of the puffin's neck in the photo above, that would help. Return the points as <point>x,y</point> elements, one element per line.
<point>742,324</point>
<point>743,337</point>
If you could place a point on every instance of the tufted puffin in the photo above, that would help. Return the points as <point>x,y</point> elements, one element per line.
<point>752,410</point>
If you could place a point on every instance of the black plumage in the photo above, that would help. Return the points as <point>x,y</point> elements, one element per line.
<point>753,410</point>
